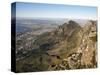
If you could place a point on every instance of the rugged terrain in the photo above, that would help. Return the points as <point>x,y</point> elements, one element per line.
<point>69,46</point>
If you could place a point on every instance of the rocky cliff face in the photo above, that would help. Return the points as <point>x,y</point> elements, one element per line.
<point>81,44</point>
<point>70,46</point>
<point>88,45</point>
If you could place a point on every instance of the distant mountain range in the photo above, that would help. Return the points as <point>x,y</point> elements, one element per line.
<point>23,25</point>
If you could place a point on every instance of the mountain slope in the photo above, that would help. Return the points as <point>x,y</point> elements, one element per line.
<point>70,46</point>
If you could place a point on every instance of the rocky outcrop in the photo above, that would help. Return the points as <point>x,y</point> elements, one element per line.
<point>82,45</point>
<point>70,46</point>
<point>88,45</point>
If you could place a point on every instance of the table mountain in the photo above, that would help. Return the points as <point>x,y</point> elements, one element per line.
<point>69,46</point>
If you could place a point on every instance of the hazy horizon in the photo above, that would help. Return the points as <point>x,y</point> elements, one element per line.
<point>41,10</point>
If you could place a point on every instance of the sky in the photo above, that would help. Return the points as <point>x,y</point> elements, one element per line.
<point>39,10</point>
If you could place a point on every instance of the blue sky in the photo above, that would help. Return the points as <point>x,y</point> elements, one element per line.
<point>38,10</point>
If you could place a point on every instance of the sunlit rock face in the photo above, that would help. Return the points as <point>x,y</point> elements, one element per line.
<point>89,44</point>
